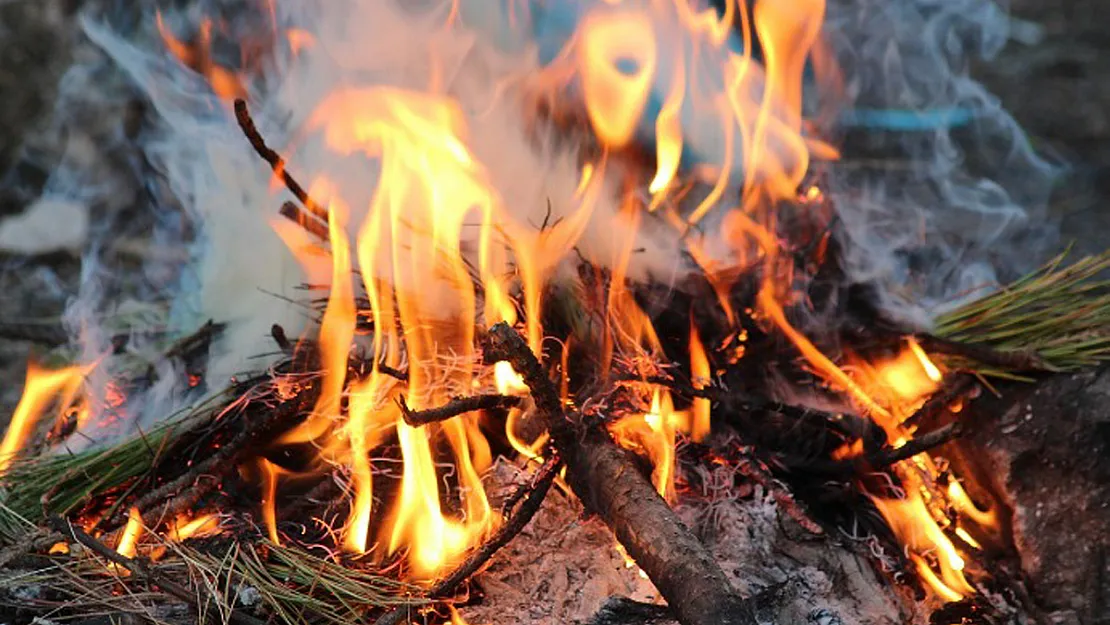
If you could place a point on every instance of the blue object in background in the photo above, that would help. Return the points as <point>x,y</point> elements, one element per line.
<point>552,23</point>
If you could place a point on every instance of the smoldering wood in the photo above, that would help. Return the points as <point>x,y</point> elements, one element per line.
<point>605,478</point>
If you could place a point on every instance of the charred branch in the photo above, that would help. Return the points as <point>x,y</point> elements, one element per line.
<point>282,340</point>
<point>315,211</point>
<point>920,443</point>
<point>455,407</point>
<point>606,480</point>
<point>297,215</point>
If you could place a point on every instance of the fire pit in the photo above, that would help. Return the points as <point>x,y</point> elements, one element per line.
<point>512,312</point>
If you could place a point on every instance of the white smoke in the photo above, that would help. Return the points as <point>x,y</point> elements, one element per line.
<point>941,194</point>
<point>244,274</point>
<point>924,225</point>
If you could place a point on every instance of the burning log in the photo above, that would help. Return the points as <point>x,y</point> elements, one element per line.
<point>607,481</point>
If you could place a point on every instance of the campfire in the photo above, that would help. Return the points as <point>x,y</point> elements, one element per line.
<point>464,270</point>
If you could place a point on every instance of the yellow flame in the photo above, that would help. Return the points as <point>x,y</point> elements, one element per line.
<point>617,58</point>
<point>654,433</point>
<point>42,388</point>
<point>931,369</point>
<point>337,329</point>
<point>902,384</point>
<point>184,528</point>
<point>128,541</point>
<point>365,429</point>
<point>699,369</point>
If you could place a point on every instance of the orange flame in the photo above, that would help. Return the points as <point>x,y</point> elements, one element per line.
<point>902,384</point>
<point>654,433</point>
<point>337,329</point>
<point>198,58</point>
<point>129,540</point>
<point>270,473</point>
<point>41,389</point>
<point>699,370</point>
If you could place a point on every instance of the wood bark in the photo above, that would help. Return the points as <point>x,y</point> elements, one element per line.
<point>606,479</point>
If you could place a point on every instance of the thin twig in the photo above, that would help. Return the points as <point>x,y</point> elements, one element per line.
<point>533,494</point>
<point>277,163</point>
<point>887,456</point>
<point>396,374</point>
<point>137,567</point>
<point>954,386</point>
<point>918,444</point>
<point>455,407</point>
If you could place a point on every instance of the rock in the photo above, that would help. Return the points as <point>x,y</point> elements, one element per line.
<point>1048,456</point>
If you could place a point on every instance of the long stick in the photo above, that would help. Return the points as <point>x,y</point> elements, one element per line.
<point>606,480</point>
